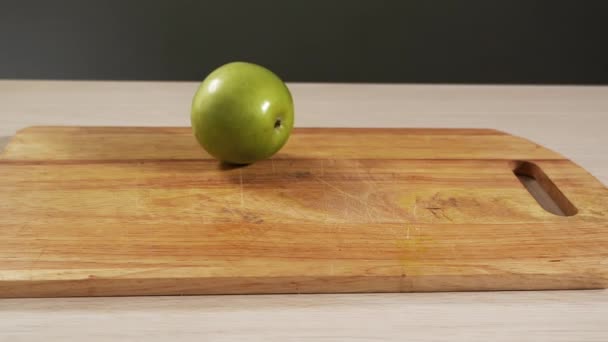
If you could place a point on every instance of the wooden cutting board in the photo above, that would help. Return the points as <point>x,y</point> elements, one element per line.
<point>98,211</point>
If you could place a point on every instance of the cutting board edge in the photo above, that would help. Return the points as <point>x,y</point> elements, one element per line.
<point>296,285</point>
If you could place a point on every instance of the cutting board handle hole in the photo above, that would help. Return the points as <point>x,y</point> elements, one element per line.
<point>542,189</point>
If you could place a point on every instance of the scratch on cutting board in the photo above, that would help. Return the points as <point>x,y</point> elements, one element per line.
<point>435,210</point>
<point>338,189</point>
<point>325,203</point>
<point>432,210</point>
<point>137,189</point>
<point>347,195</point>
<point>367,211</point>
<point>42,251</point>
<point>21,229</point>
<point>366,201</point>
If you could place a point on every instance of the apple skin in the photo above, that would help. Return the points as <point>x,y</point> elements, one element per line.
<point>242,113</point>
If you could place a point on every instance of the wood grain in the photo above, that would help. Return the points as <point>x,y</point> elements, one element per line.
<point>129,211</point>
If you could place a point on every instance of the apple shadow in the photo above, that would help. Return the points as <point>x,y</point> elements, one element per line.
<point>224,166</point>
<point>231,177</point>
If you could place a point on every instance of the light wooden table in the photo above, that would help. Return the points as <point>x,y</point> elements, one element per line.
<point>570,120</point>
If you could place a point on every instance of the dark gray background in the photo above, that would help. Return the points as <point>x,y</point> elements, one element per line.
<point>506,41</point>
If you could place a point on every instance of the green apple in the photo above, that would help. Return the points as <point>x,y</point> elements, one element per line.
<point>242,113</point>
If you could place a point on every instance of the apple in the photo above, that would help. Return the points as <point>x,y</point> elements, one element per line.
<point>242,113</point>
